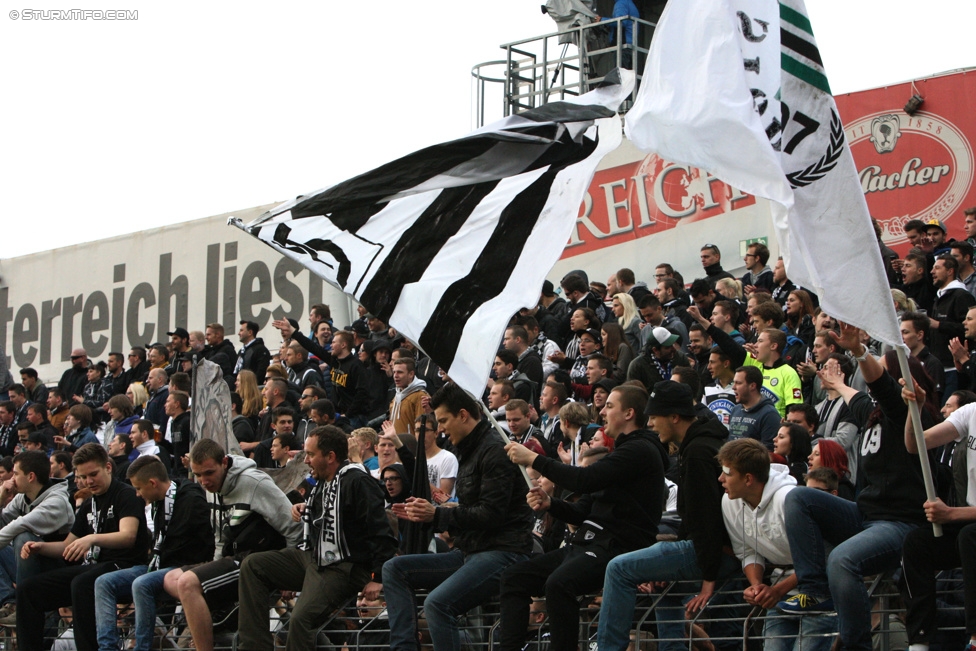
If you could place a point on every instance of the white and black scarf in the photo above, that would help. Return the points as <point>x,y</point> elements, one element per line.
<point>324,535</point>
<point>161,527</point>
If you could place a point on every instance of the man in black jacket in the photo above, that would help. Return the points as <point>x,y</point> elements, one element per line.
<point>952,301</point>
<point>177,406</point>
<point>179,343</point>
<point>711,261</point>
<point>619,512</point>
<point>658,358</point>
<point>138,367</point>
<point>347,540</point>
<point>109,533</point>
<point>491,526</point>
<point>698,553</point>
<point>347,373</point>
<point>254,355</point>
<point>517,340</point>
<point>182,535</point>
<point>73,380</point>
<point>220,351</point>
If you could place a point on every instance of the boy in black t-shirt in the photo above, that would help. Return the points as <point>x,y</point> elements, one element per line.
<point>109,534</point>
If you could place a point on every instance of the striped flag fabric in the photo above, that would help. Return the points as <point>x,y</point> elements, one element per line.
<point>446,243</point>
<point>738,88</point>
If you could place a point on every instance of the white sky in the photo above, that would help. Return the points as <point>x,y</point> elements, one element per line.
<point>196,109</point>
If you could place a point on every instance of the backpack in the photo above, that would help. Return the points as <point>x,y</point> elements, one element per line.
<point>255,534</point>
<point>795,352</point>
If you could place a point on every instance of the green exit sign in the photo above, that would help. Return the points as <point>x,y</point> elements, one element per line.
<point>744,244</point>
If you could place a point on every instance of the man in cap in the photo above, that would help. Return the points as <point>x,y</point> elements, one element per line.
<point>179,341</point>
<point>936,232</point>
<point>698,553</point>
<point>658,358</point>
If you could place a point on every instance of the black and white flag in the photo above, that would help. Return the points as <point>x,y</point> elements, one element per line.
<point>446,243</point>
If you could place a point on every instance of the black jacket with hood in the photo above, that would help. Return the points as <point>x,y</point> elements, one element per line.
<point>700,494</point>
<point>348,376</point>
<point>623,493</point>
<point>188,538</point>
<point>223,355</point>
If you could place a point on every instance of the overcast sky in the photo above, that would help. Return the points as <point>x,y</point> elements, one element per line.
<point>197,109</point>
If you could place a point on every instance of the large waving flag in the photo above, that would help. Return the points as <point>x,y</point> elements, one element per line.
<point>737,88</point>
<point>445,244</point>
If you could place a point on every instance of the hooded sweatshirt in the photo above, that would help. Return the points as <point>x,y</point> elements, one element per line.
<point>406,407</point>
<point>248,492</point>
<point>623,493</point>
<point>951,304</point>
<point>50,514</point>
<point>700,494</point>
<point>758,534</point>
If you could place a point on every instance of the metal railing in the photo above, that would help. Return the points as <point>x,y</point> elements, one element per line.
<point>542,69</point>
<point>727,621</point>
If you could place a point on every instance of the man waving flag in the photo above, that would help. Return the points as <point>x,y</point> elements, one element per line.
<point>737,88</point>
<point>445,244</point>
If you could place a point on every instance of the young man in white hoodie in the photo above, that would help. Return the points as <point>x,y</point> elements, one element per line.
<point>752,509</point>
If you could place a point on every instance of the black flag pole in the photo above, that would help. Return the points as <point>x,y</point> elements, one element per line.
<point>417,535</point>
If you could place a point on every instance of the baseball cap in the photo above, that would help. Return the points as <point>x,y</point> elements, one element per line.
<point>594,333</point>
<point>937,223</point>
<point>663,337</point>
<point>179,332</point>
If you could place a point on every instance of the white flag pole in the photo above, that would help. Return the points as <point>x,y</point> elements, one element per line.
<point>505,438</point>
<point>916,417</point>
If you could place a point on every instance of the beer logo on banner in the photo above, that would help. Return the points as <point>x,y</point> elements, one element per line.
<point>911,167</point>
<point>884,133</point>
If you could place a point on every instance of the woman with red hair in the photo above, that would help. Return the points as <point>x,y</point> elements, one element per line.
<point>828,453</point>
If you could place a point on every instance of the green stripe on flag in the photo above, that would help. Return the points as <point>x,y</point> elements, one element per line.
<point>795,18</point>
<point>804,72</point>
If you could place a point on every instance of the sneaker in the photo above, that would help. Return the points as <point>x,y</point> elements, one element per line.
<point>8,615</point>
<point>804,604</point>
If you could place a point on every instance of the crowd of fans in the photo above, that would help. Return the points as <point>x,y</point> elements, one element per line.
<point>722,432</point>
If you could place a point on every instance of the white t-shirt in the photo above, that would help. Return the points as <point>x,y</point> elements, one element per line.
<point>964,420</point>
<point>442,465</point>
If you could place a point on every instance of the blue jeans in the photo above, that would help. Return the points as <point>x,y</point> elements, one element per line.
<point>784,632</point>
<point>665,561</point>
<point>135,585</point>
<point>860,548</point>
<point>457,583</point>
<point>14,569</point>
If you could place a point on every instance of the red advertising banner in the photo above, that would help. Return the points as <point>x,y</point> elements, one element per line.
<point>918,166</point>
<point>911,167</point>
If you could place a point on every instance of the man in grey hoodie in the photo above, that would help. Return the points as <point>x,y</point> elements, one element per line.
<point>40,510</point>
<point>253,515</point>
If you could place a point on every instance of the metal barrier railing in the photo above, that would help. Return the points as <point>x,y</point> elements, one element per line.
<point>541,69</point>
<point>728,621</point>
